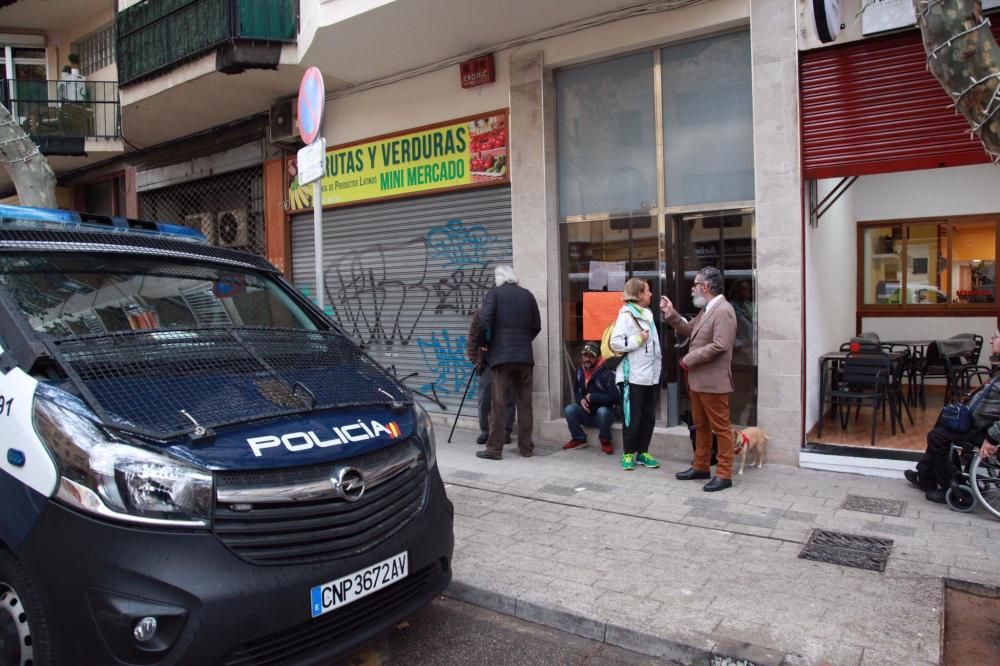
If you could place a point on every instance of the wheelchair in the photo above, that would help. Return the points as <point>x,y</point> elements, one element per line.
<point>963,494</point>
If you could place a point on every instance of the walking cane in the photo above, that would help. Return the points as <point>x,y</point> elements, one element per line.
<point>467,385</point>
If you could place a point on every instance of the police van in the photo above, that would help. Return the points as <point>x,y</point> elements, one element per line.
<point>197,466</point>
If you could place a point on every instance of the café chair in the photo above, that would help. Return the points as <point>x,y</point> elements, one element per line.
<point>962,373</point>
<point>865,377</point>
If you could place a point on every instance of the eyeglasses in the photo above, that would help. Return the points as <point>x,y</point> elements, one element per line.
<point>699,284</point>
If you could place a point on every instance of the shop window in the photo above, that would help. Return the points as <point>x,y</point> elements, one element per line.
<point>708,120</point>
<point>606,137</point>
<point>922,264</point>
<point>973,263</point>
<point>599,257</point>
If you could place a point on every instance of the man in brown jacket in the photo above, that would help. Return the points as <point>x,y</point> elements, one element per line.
<point>708,364</point>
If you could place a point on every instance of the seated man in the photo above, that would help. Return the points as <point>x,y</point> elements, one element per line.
<point>934,471</point>
<point>596,397</point>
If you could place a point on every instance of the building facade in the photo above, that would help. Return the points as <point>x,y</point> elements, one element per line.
<point>616,140</point>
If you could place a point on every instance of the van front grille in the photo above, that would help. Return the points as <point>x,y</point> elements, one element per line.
<point>308,528</point>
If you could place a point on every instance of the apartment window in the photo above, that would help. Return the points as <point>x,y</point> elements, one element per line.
<point>96,51</point>
<point>922,265</point>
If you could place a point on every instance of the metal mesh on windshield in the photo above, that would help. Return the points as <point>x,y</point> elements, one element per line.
<point>163,384</point>
<point>85,242</point>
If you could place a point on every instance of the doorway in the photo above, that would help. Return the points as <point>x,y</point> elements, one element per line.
<point>723,239</point>
<point>26,77</point>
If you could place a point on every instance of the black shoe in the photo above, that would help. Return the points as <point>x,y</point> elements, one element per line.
<point>717,484</point>
<point>914,478</point>
<point>936,495</point>
<point>692,473</point>
<point>506,438</point>
<point>486,455</point>
<point>483,436</point>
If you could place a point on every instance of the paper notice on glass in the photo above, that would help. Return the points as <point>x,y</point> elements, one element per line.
<point>616,276</point>
<point>598,276</point>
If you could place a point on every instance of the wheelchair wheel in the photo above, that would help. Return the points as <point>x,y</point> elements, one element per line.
<point>960,498</point>
<point>987,482</point>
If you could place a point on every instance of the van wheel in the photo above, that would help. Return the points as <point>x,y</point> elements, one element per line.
<point>24,637</point>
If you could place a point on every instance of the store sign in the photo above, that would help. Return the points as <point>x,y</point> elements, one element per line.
<point>478,71</point>
<point>471,152</point>
<point>882,15</point>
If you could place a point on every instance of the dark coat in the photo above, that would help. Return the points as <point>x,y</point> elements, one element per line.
<point>601,387</point>
<point>510,319</point>
<point>476,339</point>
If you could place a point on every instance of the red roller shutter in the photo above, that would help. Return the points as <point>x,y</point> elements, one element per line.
<point>872,107</point>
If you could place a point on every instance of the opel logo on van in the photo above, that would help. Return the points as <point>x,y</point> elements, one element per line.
<point>349,484</point>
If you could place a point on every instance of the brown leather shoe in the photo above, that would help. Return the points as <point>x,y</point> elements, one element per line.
<point>487,456</point>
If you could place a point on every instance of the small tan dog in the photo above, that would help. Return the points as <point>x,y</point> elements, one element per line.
<point>747,440</point>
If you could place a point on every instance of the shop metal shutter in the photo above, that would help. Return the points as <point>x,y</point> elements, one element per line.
<point>873,107</point>
<point>404,277</point>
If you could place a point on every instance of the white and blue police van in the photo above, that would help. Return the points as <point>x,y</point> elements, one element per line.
<point>197,466</point>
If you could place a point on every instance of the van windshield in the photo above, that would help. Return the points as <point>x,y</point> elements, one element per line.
<point>70,295</point>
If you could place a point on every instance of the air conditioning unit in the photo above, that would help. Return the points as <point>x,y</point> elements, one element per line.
<point>205,223</point>
<point>283,124</point>
<point>233,228</point>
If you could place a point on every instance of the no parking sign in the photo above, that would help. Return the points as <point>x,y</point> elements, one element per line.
<point>312,96</point>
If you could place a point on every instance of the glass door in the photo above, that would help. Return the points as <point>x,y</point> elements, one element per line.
<point>725,240</point>
<point>28,85</point>
<point>598,257</point>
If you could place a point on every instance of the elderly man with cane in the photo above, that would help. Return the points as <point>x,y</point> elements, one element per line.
<point>476,352</point>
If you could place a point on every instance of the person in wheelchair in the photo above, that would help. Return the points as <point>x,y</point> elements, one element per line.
<point>935,470</point>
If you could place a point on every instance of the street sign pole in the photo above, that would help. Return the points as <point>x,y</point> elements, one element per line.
<point>311,160</point>
<point>318,237</point>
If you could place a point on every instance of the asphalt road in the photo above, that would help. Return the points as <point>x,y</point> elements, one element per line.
<point>454,633</point>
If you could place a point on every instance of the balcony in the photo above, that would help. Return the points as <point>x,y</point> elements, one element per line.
<point>155,36</point>
<point>61,116</point>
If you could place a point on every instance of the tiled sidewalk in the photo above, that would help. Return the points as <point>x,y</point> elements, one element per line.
<point>653,564</point>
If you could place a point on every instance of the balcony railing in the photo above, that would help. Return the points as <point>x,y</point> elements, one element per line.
<point>78,109</point>
<point>154,35</point>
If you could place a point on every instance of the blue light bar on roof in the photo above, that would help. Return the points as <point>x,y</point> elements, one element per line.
<point>52,219</point>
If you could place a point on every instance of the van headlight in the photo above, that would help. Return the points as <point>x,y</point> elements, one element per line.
<point>425,431</point>
<point>108,476</point>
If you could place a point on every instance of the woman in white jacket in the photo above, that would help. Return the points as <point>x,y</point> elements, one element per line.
<point>638,375</point>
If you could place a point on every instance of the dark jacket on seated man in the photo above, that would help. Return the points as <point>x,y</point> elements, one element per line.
<point>600,385</point>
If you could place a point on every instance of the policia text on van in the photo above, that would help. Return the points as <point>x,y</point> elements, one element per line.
<point>197,467</point>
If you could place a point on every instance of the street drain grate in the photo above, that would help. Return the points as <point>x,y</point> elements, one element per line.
<point>882,507</point>
<point>849,550</point>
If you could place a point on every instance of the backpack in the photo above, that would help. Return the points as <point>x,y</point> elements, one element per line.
<point>612,358</point>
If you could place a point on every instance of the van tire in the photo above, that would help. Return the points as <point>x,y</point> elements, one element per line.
<point>21,613</point>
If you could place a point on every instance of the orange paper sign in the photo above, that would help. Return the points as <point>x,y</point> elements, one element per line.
<point>600,308</point>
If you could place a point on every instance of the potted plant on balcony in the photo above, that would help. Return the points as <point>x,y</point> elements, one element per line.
<point>74,63</point>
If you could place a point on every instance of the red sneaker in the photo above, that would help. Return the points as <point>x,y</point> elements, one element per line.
<point>607,446</point>
<point>574,444</point>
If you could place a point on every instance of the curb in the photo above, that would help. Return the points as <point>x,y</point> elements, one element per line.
<point>710,651</point>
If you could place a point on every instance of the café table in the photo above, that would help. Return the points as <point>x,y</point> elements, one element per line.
<point>828,365</point>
